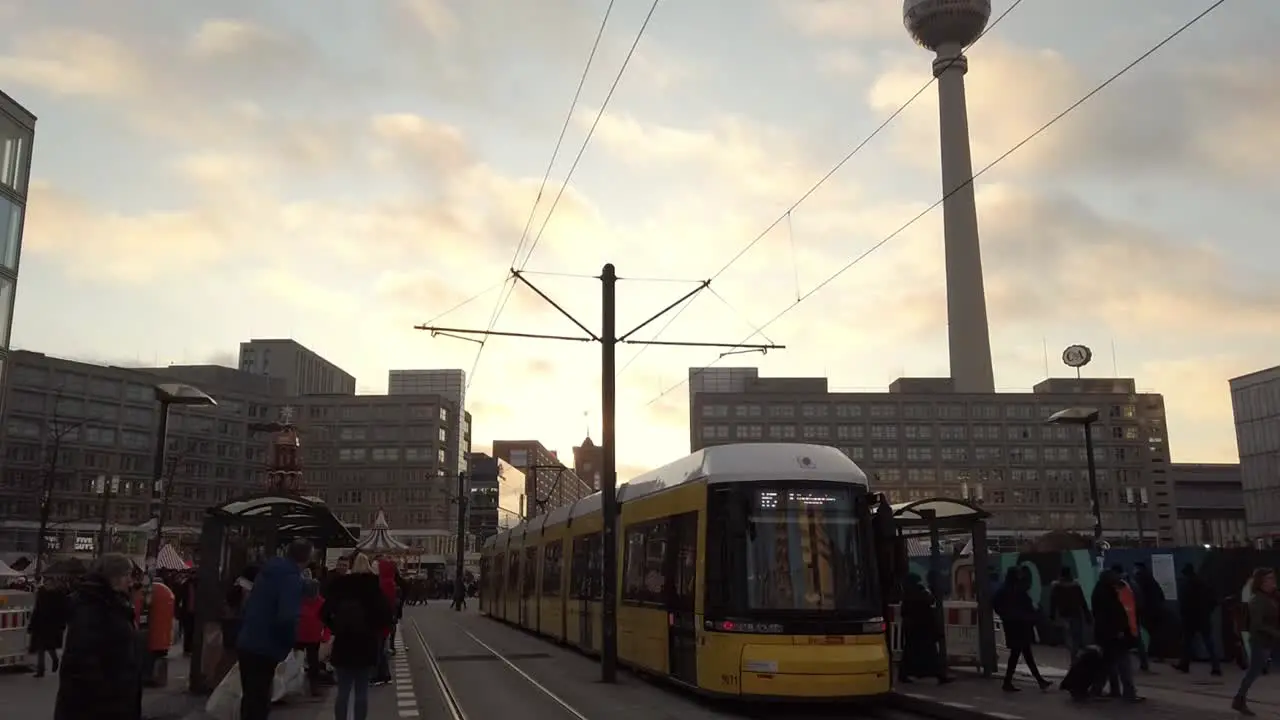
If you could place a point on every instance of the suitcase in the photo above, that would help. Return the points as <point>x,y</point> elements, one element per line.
<point>1085,672</point>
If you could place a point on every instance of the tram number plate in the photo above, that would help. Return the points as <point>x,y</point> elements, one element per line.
<point>827,640</point>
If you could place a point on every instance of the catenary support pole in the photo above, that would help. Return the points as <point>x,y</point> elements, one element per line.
<point>609,471</point>
<point>459,592</point>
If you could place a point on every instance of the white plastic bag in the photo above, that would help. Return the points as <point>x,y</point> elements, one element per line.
<point>291,677</point>
<point>224,703</point>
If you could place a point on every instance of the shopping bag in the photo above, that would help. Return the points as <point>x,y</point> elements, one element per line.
<point>224,703</point>
<point>290,678</point>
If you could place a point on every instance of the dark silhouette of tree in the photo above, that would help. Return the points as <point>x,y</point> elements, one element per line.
<point>56,433</point>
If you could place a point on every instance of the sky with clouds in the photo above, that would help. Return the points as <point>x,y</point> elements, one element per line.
<point>337,173</point>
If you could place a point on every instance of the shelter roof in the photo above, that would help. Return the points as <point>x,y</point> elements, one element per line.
<point>947,512</point>
<point>297,515</point>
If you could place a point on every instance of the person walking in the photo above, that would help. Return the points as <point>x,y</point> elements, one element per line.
<point>1264,634</point>
<point>101,673</point>
<point>920,634</point>
<point>356,611</point>
<point>311,629</point>
<point>1012,602</point>
<point>269,627</point>
<point>1196,603</point>
<point>1115,630</point>
<point>48,623</point>
<point>1067,608</point>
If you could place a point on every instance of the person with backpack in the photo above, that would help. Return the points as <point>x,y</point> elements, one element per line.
<point>1067,608</point>
<point>357,613</point>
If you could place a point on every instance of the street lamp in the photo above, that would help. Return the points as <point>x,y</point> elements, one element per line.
<point>168,394</point>
<point>1136,498</point>
<point>1085,417</point>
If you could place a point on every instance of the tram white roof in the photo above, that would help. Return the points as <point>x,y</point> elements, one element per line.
<point>719,465</point>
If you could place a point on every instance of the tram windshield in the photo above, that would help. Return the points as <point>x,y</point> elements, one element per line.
<point>805,550</point>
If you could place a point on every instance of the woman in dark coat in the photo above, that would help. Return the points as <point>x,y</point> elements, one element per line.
<point>920,633</point>
<point>1012,602</point>
<point>48,623</point>
<point>358,613</point>
<point>101,676</point>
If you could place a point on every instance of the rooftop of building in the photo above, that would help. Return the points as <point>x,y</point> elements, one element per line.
<point>17,110</point>
<point>1257,376</point>
<point>748,381</point>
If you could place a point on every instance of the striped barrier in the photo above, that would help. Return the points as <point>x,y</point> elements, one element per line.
<point>15,617</point>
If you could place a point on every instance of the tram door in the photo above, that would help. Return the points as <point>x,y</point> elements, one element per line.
<point>682,624</point>
<point>590,580</point>
<point>529,598</point>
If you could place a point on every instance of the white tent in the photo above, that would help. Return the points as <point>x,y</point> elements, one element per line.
<point>6,571</point>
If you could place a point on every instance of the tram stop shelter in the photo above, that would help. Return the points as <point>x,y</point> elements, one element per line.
<point>269,521</point>
<point>932,519</point>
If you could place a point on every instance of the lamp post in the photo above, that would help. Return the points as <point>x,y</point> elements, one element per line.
<point>1136,498</point>
<point>168,395</point>
<point>1085,417</point>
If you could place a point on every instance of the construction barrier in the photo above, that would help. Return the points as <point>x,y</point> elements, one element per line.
<point>961,620</point>
<point>15,618</point>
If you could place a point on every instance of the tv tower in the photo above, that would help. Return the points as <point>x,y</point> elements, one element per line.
<point>947,27</point>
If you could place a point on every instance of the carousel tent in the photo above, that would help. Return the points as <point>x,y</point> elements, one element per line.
<point>169,559</point>
<point>379,539</point>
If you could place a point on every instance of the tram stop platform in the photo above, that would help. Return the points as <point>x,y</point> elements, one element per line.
<point>493,670</point>
<point>1170,695</point>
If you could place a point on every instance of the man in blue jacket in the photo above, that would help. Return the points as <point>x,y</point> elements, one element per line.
<point>269,627</point>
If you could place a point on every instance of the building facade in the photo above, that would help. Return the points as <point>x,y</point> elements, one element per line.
<point>1255,402</point>
<point>303,371</point>
<point>549,484</point>
<point>448,383</point>
<point>83,428</point>
<point>588,459</point>
<point>87,434</point>
<point>922,440</point>
<point>1210,504</point>
<point>497,493</point>
<point>17,134</point>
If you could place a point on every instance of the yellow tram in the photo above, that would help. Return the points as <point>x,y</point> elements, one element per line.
<point>743,571</point>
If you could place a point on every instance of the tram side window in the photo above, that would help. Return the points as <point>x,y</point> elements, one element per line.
<point>684,561</point>
<point>580,578</point>
<point>529,568</point>
<point>484,573</point>
<point>513,572</point>
<point>552,556</point>
<point>645,563</point>
<point>499,572</point>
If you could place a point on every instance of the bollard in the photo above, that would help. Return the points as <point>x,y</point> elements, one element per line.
<point>159,635</point>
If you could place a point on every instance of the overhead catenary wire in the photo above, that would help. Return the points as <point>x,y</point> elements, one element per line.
<point>508,279</point>
<point>1001,158</point>
<point>786,215</point>
<point>521,264</point>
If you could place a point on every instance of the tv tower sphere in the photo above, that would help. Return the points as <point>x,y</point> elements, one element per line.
<point>934,23</point>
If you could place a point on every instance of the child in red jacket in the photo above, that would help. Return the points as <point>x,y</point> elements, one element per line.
<point>311,629</point>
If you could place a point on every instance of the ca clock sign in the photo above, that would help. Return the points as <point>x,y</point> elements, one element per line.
<point>1076,356</point>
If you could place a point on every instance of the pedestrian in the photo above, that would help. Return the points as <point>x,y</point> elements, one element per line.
<point>391,591</point>
<point>920,634</point>
<point>1264,634</point>
<point>101,674</point>
<point>269,627</point>
<point>1012,602</point>
<point>1151,610</point>
<point>1196,603</point>
<point>1067,608</point>
<point>311,629</point>
<point>48,623</point>
<point>357,612</point>
<point>1115,631</point>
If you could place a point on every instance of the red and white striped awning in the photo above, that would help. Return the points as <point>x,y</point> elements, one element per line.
<point>169,559</point>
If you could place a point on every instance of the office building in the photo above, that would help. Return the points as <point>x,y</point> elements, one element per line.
<point>75,422</point>
<point>448,383</point>
<point>1210,504</point>
<point>588,459</point>
<point>1255,402</point>
<point>549,484</point>
<point>497,493</point>
<point>17,132</point>
<point>920,439</point>
<point>71,423</point>
<point>303,371</point>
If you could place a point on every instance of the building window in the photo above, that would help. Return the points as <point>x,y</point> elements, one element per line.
<point>884,432</point>
<point>817,432</point>
<point>919,432</point>
<point>6,310</point>
<point>848,410</point>
<point>715,432</point>
<point>884,453</point>
<point>850,432</point>
<point>782,432</point>
<point>880,410</point>
<point>920,453</point>
<point>10,232</point>
<point>955,454</point>
<point>814,410</point>
<point>747,411</point>
<point>386,454</point>
<point>351,454</point>
<point>953,432</point>
<point>715,411</point>
<point>782,411</point>
<point>749,432</point>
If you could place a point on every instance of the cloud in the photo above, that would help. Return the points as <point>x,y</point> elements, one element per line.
<point>1219,116</point>
<point>844,19</point>
<point>74,62</point>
